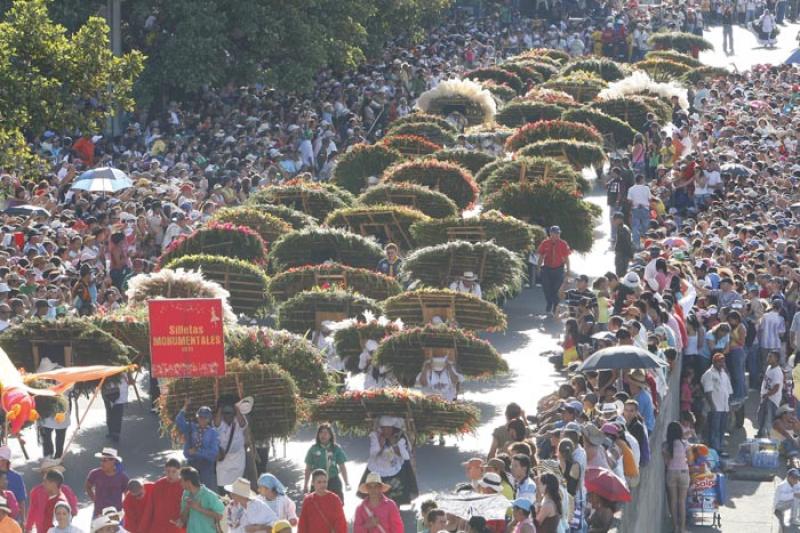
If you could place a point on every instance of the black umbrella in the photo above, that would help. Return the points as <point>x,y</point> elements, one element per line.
<point>735,169</point>
<point>620,357</point>
<point>27,211</point>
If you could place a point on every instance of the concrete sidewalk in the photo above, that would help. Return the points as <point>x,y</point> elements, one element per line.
<point>749,509</point>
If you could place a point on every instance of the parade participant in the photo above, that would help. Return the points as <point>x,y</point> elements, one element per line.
<point>328,456</point>
<point>230,424</point>
<point>105,485</point>
<point>63,515</point>
<point>105,524</point>
<point>115,396</point>
<point>247,513</point>
<point>201,509</point>
<point>272,491</point>
<point>377,513</point>
<point>15,482</point>
<point>10,498</point>
<point>7,524</point>
<point>554,263</point>
<point>322,509</point>
<point>467,283</point>
<point>163,507</point>
<point>623,246</point>
<point>52,486</point>
<point>134,504</point>
<point>391,264</point>
<point>717,388</point>
<point>375,377</point>
<point>639,199</point>
<point>201,443</point>
<point>439,378</point>
<point>390,458</point>
<point>787,498</point>
<point>58,424</point>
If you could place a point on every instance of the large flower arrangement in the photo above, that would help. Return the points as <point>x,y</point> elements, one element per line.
<point>551,96</point>
<point>523,72</point>
<point>500,91</point>
<point>546,69</point>
<point>452,180</point>
<point>404,352</point>
<point>387,223</point>
<point>579,154</point>
<point>298,314</point>
<point>90,344</point>
<point>705,73</point>
<point>296,219</point>
<point>582,86</point>
<point>273,390</point>
<point>688,43</point>
<point>268,227</point>
<point>432,203</point>
<point>356,412</point>
<point>350,336</point>
<point>672,55</point>
<point>294,354</point>
<point>606,124</point>
<point>663,70</point>
<point>553,129</point>
<point>533,169</point>
<point>410,145</point>
<point>631,109</point>
<point>472,160</point>
<point>604,68</point>
<point>546,204</point>
<point>314,199</point>
<point>428,130</point>
<point>640,83</point>
<point>557,56</point>
<point>470,312</point>
<point>364,281</point>
<point>499,270</point>
<point>218,238</point>
<point>492,226</point>
<point>313,246</point>
<point>498,75</point>
<point>168,283</point>
<point>419,116</point>
<point>130,326</point>
<point>476,102</point>
<point>245,282</point>
<point>520,112</point>
<point>356,165</point>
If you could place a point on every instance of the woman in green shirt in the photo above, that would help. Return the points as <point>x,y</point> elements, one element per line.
<point>326,455</point>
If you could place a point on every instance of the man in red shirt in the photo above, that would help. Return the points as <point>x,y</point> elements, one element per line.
<point>554,262</point>
<point>163,503</point>
<point>322,510</point>
<point>134,503</point>
<point>45,496</point>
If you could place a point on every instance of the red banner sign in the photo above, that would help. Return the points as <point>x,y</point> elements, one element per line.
<point>186,338</point>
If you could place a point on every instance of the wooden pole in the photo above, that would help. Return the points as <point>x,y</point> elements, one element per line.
<point>81,419</point>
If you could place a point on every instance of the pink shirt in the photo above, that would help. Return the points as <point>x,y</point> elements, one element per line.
<point>678,461</point>
<point>386,512</point>
<point>38,503</point>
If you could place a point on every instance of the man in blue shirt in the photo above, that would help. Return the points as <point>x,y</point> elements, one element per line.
<point>390,265</point>
<point>640,391</point>
<point>201,443</point>
<point>15,482</point>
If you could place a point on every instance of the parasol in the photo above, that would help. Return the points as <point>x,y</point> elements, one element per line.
<point>489,506</point>
<point>735,169</point>
<point>620,357</point>
<point>675,242</point>
<point>102,179</point>
<point>607,484</point>
<point>27,211</point>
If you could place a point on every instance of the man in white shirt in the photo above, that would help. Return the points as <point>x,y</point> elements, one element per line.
<point>771,390</point>
<point>468,283</point>
<point>247,512</point>
<point>717,388</point>
<point>438,377</point>
<point>787,496</point>
<point>231,425</point>
<point>175,229</point>
<point>639,198</point>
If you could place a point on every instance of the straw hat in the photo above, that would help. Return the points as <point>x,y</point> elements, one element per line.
<point>391,422</point>
<point>241,488</point>
<point>48,463</point>
<point>491,481</point>
<point>373,479</point>
<point>593,435</point>
<point>102,521</point>
<point>638,377</point>
<point>245,405</point>
<point>109,453</point>
<point>469,276</point>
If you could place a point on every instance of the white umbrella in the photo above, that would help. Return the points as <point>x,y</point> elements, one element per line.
<point>102,179</point>
<point>489,506</point>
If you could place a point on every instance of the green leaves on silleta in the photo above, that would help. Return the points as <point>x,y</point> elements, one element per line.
<point>606,124</point>
<point>553,129</point>
<point>427,130</point>
<point>520,112</point>
<point>387,223</point>
<point>680,41</point>
<point>356,166</point>
<point>605,68</point>
<point>313,246</point>
<point>674,55</point>
<point>451,180</point>
<point>662,70</point>
<point>500,271</point>
<point>577,153</point>
<point>300,313</point>
<point>432,203</point>
<point>268,226</point>
<point>498,75</point>
<point>472,160</point>
<point>582,86</point>
<point>315,199</point>
<point>533,169</point>
<point>364,281</point>
<point>468,312</point>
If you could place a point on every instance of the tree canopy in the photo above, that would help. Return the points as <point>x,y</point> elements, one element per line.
<point>51,79</point>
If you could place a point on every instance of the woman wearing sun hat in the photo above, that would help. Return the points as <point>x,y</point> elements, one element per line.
<point>522,522</point>
<point>377,513</point>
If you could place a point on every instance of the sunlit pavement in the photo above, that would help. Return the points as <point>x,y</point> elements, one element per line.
<point>438,467</point>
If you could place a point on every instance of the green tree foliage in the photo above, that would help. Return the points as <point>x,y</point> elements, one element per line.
<point>52,79</point>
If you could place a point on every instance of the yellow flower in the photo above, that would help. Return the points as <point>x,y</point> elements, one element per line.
<point>59,418</point>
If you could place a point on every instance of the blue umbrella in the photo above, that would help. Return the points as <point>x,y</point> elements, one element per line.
<point>102,179</point>
<point>794,58</point>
